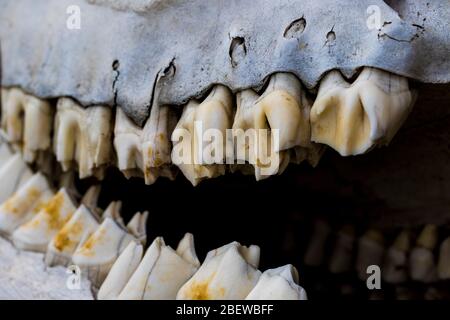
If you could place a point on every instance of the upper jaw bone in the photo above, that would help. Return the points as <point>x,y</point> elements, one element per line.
<point>215,112</point>
<point>229,272</point>
<point>354,118</point>
<point>83,136</point>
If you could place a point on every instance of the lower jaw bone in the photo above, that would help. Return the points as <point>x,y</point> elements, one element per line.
<point>354,118</point>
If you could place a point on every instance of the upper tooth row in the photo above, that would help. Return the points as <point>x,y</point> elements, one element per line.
<point>111,253</point>
<point>351,118</point>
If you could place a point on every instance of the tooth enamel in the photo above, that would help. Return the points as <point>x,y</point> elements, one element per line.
<point>229,272</point>
<point>83,136</point>
<point>395,266</point>
<point>370,252</point>
<point>342,256</point>
<point>215,112</point>
<point>101,249</point>
<point>13,174</point>
<point>278,284</point>
<point>353,118</point>
<point>5,153</point>
<point>421,264</point>
<point>314,255</point>
<point>63,245</point>
<point>24,203</point>
<point>444,260</point>
<point>162,271</point>
<point>35,234</point>
<point>121,271</point>
<point>137,226</point>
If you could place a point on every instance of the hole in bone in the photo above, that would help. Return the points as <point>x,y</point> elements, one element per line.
<point>115,65</point>
<point>331,36</point>
<point>238,50</point>
<point>295,29</point>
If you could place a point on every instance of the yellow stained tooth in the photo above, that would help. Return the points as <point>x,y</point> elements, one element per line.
<point>352,119</point>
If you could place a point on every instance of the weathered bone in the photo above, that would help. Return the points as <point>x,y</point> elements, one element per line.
<point>354,118</point>
<point>229,272</point>
<point>215,112</point>
<point>162,271</point>
<point>278,284</point>
<point>422,265</point>
<point>395,266</point>
<point>83,136</point>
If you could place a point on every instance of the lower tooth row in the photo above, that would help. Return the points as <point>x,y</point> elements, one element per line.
<point>351,118</point>
<point>111,254</point>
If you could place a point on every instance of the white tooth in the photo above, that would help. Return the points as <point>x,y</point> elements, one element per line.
<point>395,266</point>
<point>137,226</point>
<point>24,203</point>
<point>278,284</point>
<point>342,256</point>
<point>90,199</point>
<point>314,255</point>
<point>444,260</point>
<point>98,253</point>
<point>352,119</point>
<point>83,136</point>
<point>215,112</point>
<point>229,272</point>
<point>121,271</point>
<point>63,245</point>
<point>370,252</point>
<point>13,174</point>
<point>35,234</point>
<point>422,264</point>
<point>13,107</point>
<point>5,152</point>
<point>162,271</point>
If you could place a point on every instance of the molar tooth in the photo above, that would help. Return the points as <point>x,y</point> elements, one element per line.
<point>421,261</point>
<point>13,174</point>
<point>35,234</point>
<point>162,271</point>
<point>83,136</point>
<point>314,255</point>
<point>444,260</point>
<point>24,203</point>
<point>229,272</point>
<point>370,252</point>
<point>396,261</point>
<point>342,255</point>
<point>352,119</point>
<point>215,112</point>
<point>278,284</point>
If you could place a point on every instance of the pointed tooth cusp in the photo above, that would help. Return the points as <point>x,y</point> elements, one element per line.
<point>83,136</point>
<point>278,284</point>
<point>422,265</point>
<point>228,272</point>
<point>162,272</point>
<point>354,118</point>
<point>13,174</point>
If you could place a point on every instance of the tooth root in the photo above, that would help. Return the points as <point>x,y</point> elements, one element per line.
<point>352,119</point>
<point>396,260</point>
<point>227,273</point>
<point>370,251</point>
<point>278,284</point>
<point>24,203</point>
<point>342,256</point>
<point>83,136</point>
<point>35,234</point>
<point>162,272</point>
<point>314,255</point>
<point>63,245</point>
<point>444,260</point>
<point>215,112</point>
<point>13,174</point>
<point>422,263</point>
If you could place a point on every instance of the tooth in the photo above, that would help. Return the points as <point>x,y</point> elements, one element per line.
<point>24,203</point>
<point>444,260</point>
<point>370,252</point>
<point>137,226</point>
<point>35,234</point>
<point>101,249</point>
<point>13,107</point>
<point>5,152</point>
<point>215,112</point>
<point>4,93</point>
<point>90,199</point>
<point>13,174</point>
<point>421,264</point>
<point>396,260</point>
<point>352,119</point>
<point>121,271</point>
<point>278,284</point>
<point>314,255</point>
<point>83,136</point>
<point>229,272</point>
<point>342,256</point>
<point>162,271</point>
